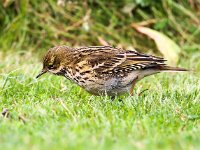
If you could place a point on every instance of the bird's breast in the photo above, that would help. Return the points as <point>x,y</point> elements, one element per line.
<point>101,86</point>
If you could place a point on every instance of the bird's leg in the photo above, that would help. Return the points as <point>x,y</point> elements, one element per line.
<point>133,85</point>
<point>112,98</point>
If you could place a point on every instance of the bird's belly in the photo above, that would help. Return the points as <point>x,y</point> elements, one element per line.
<point>112,86</point>
<point>109,87</point>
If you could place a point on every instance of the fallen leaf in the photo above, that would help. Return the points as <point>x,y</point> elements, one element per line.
<point>144,23</point>
<point>102,41</point>
<point>166,46</point>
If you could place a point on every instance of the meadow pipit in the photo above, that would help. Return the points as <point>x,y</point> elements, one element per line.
<point>103,70</point>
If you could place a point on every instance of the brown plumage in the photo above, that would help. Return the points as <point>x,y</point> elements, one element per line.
<point>103,70</point>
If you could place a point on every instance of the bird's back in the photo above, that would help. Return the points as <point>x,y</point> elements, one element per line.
<point>105,69</point>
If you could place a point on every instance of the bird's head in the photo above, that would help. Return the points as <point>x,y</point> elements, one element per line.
<point>55,60</point>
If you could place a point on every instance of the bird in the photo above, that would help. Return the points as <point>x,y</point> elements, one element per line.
<point>103,70</point>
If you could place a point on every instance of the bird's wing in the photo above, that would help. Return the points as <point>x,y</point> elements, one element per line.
<point>109,60</point>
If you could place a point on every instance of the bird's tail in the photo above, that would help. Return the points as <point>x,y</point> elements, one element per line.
<point>173,69</point>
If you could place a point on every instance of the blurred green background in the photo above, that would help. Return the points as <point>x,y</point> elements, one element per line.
<point>38,25</point>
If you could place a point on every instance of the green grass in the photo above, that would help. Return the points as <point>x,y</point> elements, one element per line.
<point>52,113</point>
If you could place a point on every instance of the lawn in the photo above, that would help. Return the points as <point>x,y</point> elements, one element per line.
<point>52,113</point>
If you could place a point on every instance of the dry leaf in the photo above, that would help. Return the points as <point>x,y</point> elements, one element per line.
<point>102,41</point>
<point>166,46</point>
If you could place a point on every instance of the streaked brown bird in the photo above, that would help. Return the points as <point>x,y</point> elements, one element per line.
<point>103,70</point>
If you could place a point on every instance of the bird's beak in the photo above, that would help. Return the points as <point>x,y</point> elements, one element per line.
<point>41,73</point>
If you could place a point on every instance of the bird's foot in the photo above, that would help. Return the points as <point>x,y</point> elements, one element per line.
<point>114,97</point>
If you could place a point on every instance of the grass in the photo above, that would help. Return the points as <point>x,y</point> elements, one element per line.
<point>53,113</point>
<point>78,23</point>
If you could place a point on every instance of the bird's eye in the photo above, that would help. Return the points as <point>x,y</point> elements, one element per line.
<point>51,66</point>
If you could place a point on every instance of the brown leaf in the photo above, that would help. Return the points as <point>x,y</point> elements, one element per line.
<point>165,45</point>
<point>102,41</point>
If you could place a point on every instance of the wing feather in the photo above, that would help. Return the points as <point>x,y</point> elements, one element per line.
<point>107,59</point>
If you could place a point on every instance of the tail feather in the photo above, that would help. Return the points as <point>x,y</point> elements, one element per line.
<point>169,68</point>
